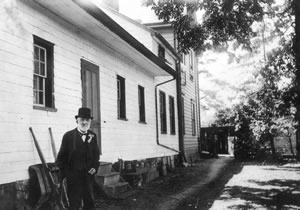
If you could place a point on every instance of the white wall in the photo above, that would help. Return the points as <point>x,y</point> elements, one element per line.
<point>190,92</point>
<point>120,139</point>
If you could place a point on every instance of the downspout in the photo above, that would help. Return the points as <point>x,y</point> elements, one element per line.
<point>156,109</point>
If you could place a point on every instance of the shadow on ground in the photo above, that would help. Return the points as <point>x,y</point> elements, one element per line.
<point>178,182</point>
<point>205,196</point>
<point>281,193</point>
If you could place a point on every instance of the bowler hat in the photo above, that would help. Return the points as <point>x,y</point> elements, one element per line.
<point>84,113</point>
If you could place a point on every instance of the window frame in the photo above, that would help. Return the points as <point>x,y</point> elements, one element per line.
<point>47,103</point>
<point>141,104</point>
<point>161,52</point>
<point>191,67</point>
<point>163,112</point>
<point>193,117</point>
<point>121,98</point>
<point>172,115</point>
<point>183,58</point>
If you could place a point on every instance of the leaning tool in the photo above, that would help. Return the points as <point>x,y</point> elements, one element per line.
<point>53,144</point>
<point>63,191</point>
<point>55,195</point>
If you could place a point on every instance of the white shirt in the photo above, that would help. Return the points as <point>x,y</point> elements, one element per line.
<point>83,137</point>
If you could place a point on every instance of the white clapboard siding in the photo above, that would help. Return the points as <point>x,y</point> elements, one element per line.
<point>19,21</point>
<point>190,92</point>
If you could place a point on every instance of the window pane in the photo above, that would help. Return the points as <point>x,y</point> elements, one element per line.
<point>41,98</point>
<point>36,53</point>
<point>42,69</point>
<point>35,97</point>
<point>36,67</point>
<point>35,85</point>
<point>119,89</point>
<point>42,54</point>
<point>40,84</point>
<point>121,97</point>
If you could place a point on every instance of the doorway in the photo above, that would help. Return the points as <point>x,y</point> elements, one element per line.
<point>91,95</point>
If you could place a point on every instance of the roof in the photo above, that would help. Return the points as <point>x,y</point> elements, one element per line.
<point>88,16</point>
<point>146,28</point>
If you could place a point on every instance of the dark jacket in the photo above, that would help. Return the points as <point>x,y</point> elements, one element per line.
<point>74,154</point>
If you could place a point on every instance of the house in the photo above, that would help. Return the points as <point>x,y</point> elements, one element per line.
<point>54,62</point>
<point>190,102</point>
<point>187,86</point>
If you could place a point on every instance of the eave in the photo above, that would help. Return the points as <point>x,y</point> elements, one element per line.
<point>86,16</point>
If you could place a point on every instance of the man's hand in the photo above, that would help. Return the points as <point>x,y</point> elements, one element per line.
<point>92,171</point>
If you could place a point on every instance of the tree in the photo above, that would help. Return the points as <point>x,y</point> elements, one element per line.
<point>296,7</point>
<point>223,21</point>
<point>269,110</point>
<point>232,20</point>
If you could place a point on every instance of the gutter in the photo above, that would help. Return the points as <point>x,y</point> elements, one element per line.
<point>156,114</point>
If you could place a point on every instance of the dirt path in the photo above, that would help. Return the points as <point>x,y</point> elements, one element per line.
<point>184,188</point>
<point>208,189</point>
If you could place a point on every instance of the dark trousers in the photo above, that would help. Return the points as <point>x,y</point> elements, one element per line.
<point>80,188</point>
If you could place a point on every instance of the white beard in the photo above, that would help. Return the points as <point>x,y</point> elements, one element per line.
<point>83,128</point>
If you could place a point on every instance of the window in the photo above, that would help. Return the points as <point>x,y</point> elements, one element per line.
<point>193,117</point>
<point>43,73</point>
<point>163,113</point>
<point>191,66</point>
<point>183,78</point>
<point>191,60</point>
<point>172,114</point>
<point>121,97</point>
<point>183,120</point>
<point>182,58</point>
<point>161,52</point>
<point>141,98</point>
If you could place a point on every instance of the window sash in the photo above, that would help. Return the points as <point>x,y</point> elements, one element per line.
<point>39,75</point>
<point>40,61</point>
<point>193,118</point>
<point>163,113</point>
<point>121,102</point>
<point>161,52</point>
<point>39,90</point>
<point>172,115</point>
<point>141,101</point>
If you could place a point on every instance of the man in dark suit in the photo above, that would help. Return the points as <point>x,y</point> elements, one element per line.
<point>78,160</point>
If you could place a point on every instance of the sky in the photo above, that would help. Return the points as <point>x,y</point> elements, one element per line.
<point>134,10</point>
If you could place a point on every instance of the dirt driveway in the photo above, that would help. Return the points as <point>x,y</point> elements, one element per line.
<point>216,184</point>
<point>181,188</point>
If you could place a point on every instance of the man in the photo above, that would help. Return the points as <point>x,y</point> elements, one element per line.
<point>78,160</point>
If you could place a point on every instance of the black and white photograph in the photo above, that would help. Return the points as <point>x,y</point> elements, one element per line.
<point>149,104</point>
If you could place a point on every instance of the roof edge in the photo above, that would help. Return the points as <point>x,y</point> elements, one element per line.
<point>102,17</point>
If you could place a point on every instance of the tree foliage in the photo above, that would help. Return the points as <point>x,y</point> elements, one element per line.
<point>222,21</point>
<point>276,104</point>
<point>271,109</point>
